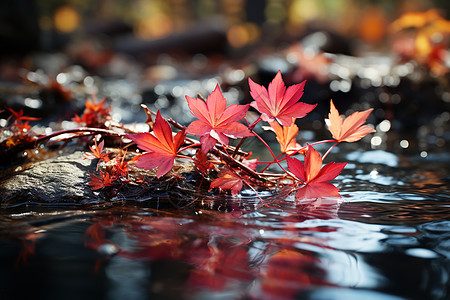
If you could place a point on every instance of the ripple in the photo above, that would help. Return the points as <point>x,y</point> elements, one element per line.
<point>346,294</point>
<point>437,227</point>
<point>374,157</point>
<point>421,253</point>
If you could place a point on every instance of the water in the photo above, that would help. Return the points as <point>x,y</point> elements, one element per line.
<point>387,238</point>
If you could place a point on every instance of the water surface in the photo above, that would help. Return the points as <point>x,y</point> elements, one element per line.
<point>388,237</point>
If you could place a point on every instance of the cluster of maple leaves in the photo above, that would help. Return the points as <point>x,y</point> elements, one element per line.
<point>216,124</point>
<point>17,129</point>
<point>224,166</point>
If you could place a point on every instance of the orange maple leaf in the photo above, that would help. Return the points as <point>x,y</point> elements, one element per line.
<point>19,117</point>
<point>285,135</point>
<point>351,129</point>
<point>118,167</point>
<point>279,103</point>
<point>162,147</point>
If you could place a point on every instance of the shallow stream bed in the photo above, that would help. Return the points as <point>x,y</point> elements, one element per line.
<point>387,238</point>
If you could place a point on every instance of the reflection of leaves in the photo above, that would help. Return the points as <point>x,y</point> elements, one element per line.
<point>28,247</point>
<point>216,267</point>
<point>216,122</point>
<point>279,103</point>
<point>288,272</point>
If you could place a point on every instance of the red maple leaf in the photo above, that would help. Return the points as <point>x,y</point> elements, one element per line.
<point>317,190</point>
<point>94,115</point>
<point>97,152</point>
<point>97,183</point>
<point>19,117</point>
<point>202,163</point>
<point>228,181</point>
<point>350,129</point>
<point>118,167</point>
<point>19,127</point>
<point>162,147</point>
<point>279,103</point>
<point>313,175</point>
<point>216,122</point>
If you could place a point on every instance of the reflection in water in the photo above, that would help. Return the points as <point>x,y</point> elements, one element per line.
<point>387,238</point>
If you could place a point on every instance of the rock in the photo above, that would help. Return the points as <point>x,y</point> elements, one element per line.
<point>62,179</point>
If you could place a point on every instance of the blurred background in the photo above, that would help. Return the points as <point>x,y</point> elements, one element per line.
<point>30,25</point>
<point>390,55</point>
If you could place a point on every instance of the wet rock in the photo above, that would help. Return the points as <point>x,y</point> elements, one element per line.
<point>63,179</point>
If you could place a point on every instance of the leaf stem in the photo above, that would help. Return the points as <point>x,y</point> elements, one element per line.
<point>271,152</point>
<point>190,146</point>
<point>277,158</point>
<point>92,131</point>
<point>329,150</point>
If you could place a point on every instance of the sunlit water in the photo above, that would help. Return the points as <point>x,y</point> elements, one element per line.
<point>387,238</point>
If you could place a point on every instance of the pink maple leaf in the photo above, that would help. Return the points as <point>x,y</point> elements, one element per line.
<point>216,122</point>
<point>279,103</point>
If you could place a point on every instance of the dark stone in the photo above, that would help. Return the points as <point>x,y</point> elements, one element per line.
<point>62,179</point>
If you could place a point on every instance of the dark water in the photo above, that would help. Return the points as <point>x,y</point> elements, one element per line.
<point>387,238</point>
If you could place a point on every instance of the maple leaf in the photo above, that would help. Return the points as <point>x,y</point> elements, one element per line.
<point>94,114</point>
<point>317,191</point>
<point>350,129</point>
<point>19,117</point>
<point>118,167</point>
<point>285,135</point>
<point>97,183</point>
<point>97,152</point>
<point>311,173</point>
<point>251,163</point>
<point>228,181</point>
<point>279,103</point>
<point>216,122</point>
<point>19,127</point>
<point>202,163</point>
<point>161,146</point>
